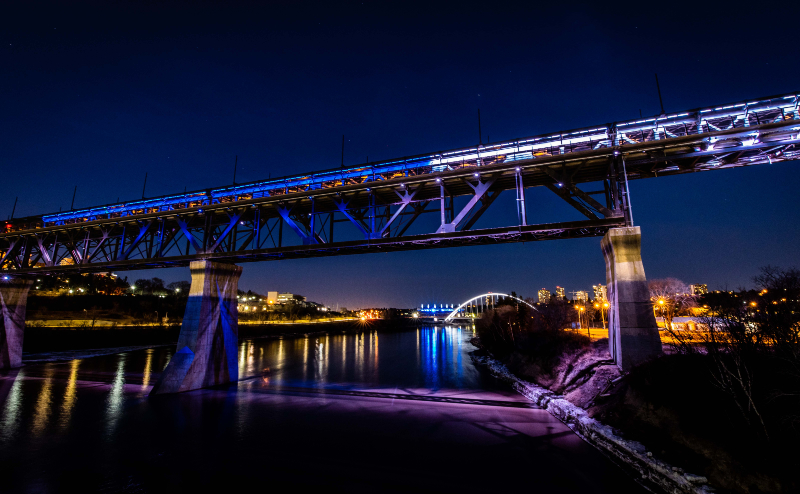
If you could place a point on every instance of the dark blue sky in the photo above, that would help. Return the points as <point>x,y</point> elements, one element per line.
<point>96,95</point>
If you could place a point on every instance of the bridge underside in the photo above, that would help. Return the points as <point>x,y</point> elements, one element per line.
<point>531,233</point>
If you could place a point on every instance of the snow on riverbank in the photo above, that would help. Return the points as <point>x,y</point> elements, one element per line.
<point>654,473</point>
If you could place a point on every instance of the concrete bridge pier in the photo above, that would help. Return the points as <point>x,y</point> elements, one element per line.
<point>632,331</point>
<point>13,302</point>
<point>207,346</point>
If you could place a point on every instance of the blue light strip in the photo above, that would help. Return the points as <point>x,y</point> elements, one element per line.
<point>628,132</point>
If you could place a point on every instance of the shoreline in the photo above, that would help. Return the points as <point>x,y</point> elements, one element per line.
<point>634,457</point>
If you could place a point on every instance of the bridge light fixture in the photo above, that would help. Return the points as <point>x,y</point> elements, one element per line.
<point>560,184</point>
<point>438,179</point>
<point>516,169</point>
<point>476,174</point>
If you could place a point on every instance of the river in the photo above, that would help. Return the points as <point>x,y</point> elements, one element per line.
<point>368,412</point>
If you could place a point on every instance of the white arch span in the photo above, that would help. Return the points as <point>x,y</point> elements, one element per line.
<point>495,294</point>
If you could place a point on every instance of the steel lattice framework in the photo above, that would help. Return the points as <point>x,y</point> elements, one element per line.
<point>294,217</point>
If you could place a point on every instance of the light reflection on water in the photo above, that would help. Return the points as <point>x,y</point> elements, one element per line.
<point>42,412</point>
<point>70,394</point>
<point>13,407</point>
<point>42,398</point>
<point>430,357</point>
<point>114,400</point>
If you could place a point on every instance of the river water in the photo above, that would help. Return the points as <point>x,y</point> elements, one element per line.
<point>366,412</point>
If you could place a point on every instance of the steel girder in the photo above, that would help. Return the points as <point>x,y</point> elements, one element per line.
<point>382,212</point>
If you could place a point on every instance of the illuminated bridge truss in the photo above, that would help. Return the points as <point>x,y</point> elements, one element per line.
<point>376,207</point>
<point>480,304</point>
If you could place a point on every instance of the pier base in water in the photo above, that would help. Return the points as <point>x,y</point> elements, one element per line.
<point>13,302</point>
<point>207,345</point>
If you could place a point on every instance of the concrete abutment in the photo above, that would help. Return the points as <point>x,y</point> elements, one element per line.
<point>208,343</point>
<point>633,336</point>
<point>13,302</point>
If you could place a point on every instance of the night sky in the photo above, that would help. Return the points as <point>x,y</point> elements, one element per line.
<point>96,95</point>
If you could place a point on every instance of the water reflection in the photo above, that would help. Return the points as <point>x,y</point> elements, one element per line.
<point>43,405</point>
<point>147,365</point>
<point>427,357</point>
<point>70,394</point>
<point>12,411</point>
<point>114,400</point>
<point>430,357</point>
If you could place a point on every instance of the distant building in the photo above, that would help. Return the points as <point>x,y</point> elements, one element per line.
<point>600,292</point>
<point>581,296</point>
<point>544,296</point>
<point>698,289</point>
<point>272,298</point>
<point>290,298</point>
<point>560,294</point>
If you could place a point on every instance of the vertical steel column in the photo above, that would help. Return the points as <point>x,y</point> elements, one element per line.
<point>160,238</point>
<point>441,203</point>
<point>256,228</point>
<point>311,230</point>
<point>521,199</point>
<point>372,210</point>
<point>626,194</point>
<point>330,235</point>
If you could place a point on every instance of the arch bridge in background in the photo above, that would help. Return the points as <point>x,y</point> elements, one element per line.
<point>493,295</point>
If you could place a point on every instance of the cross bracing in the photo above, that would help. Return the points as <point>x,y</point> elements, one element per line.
<point>381,203</point>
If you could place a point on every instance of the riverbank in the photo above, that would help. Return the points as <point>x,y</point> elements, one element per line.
<point>634,457</point>
<point>662,418</point>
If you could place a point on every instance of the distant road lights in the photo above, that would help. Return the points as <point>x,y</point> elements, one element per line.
<point>605,305</point>
<point>560,184</point>
<point>753,304</point>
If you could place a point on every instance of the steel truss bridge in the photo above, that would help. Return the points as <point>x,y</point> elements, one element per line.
<point>376,207</point>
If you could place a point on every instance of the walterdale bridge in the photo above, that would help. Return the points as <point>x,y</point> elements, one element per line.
<point>376,207</point>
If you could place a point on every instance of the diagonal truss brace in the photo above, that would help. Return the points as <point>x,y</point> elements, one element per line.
<point>308,239</point>
<point>142,230</point>
<point>341,205</point>
<point>567,190</point>
<point>405,199</point>
<point>480,190</point>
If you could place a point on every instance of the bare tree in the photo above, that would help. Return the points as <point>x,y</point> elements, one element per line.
<point>670,297</point>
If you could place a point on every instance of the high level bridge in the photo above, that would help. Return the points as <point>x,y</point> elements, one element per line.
<point>376,207</point>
